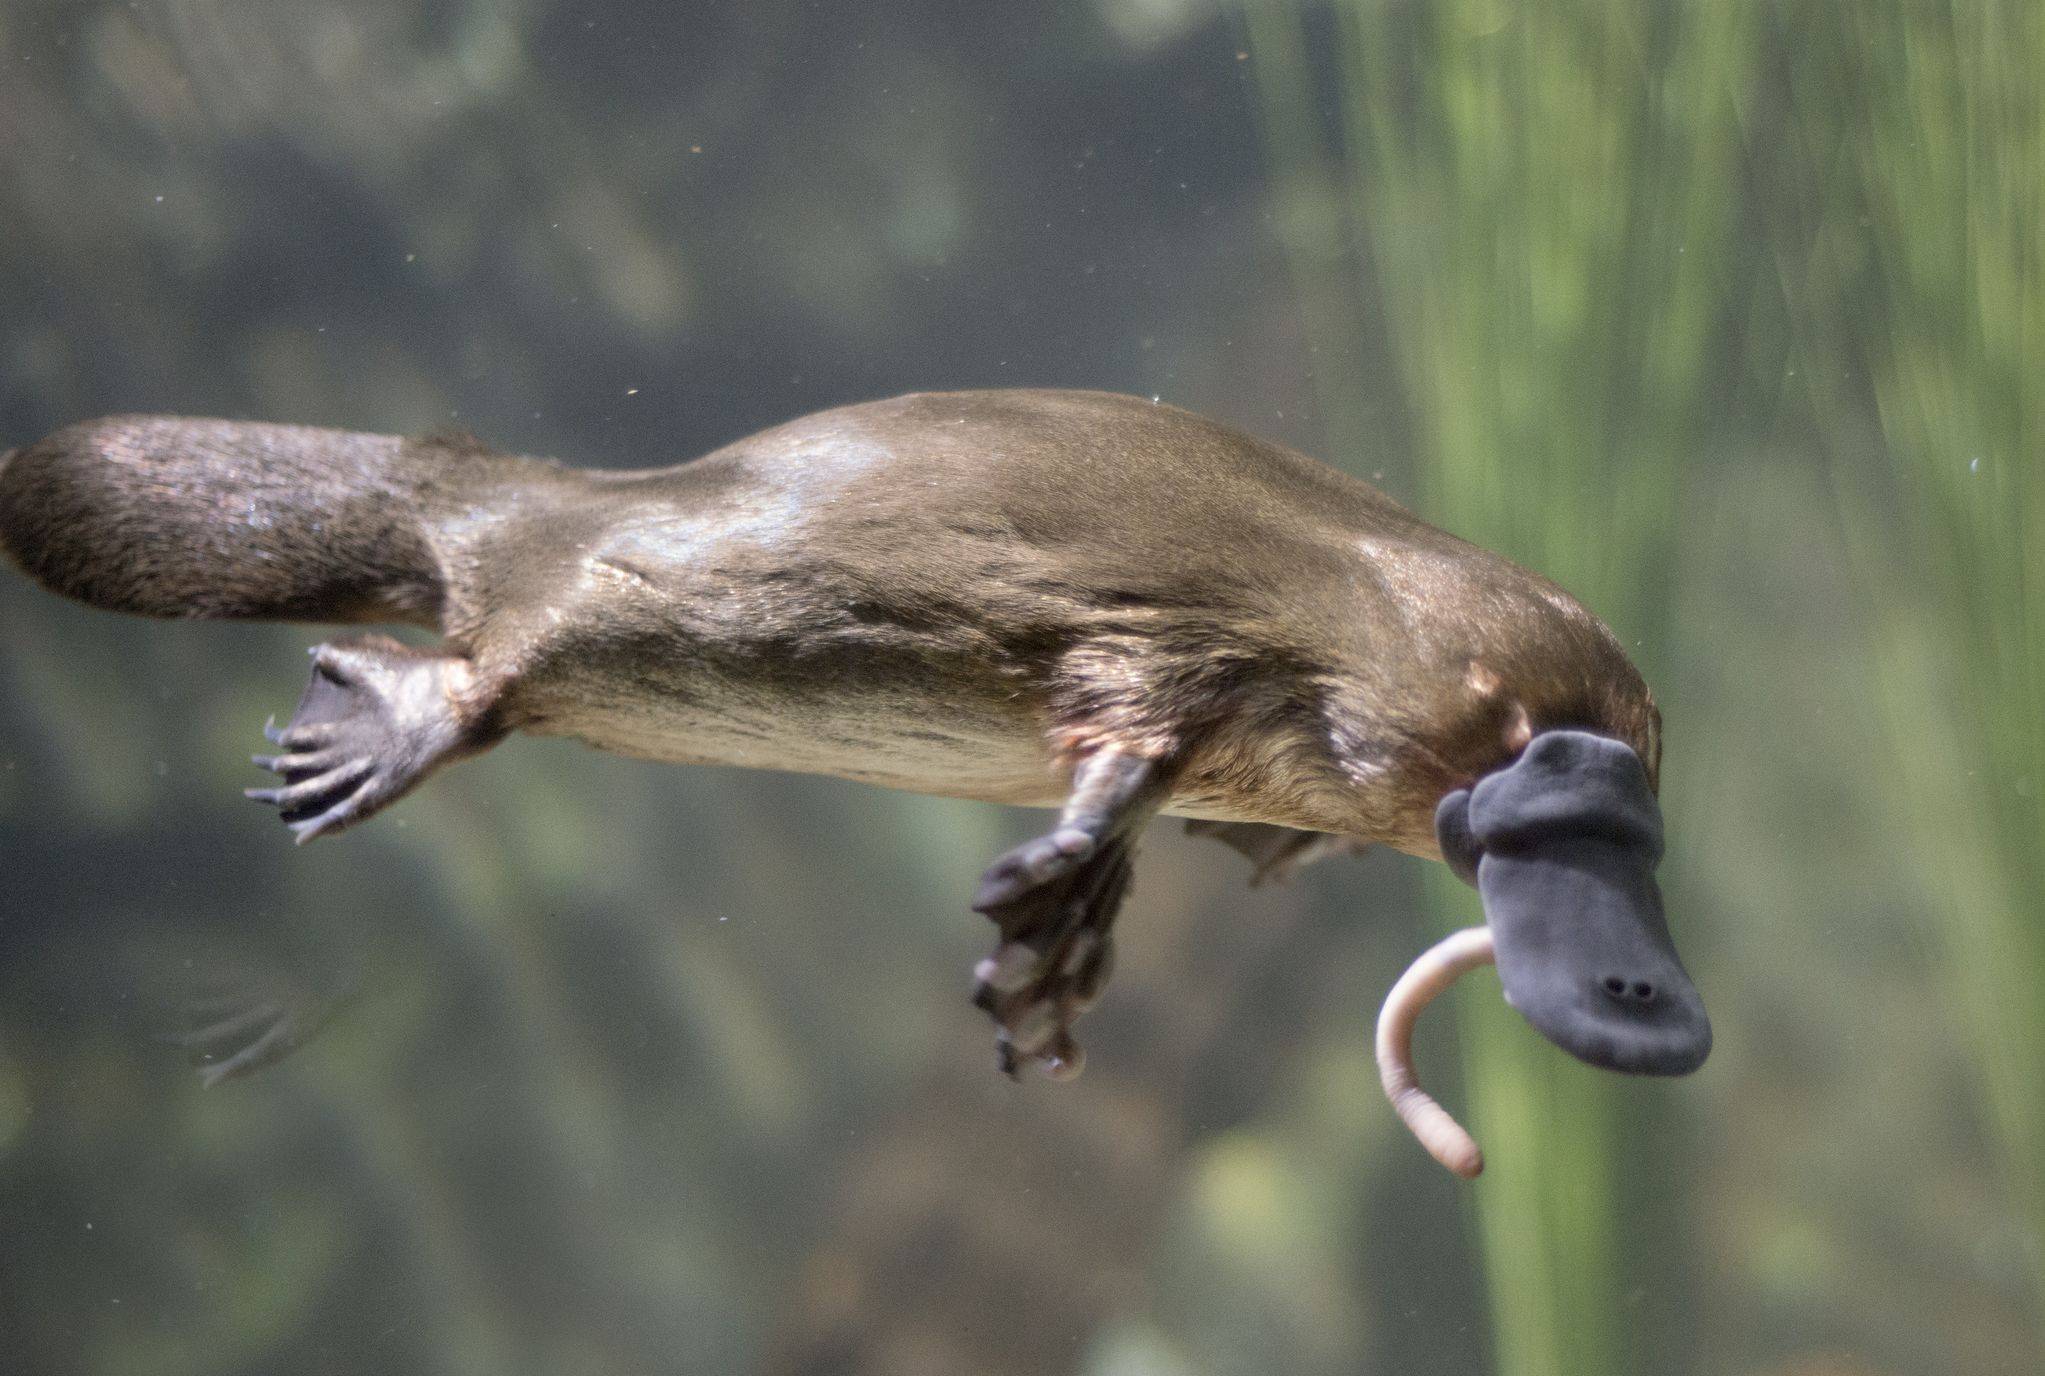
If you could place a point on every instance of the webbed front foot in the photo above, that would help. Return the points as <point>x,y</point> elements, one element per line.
<point>1060,909</point>
<point>375,719</point>
<point>1054,899</point>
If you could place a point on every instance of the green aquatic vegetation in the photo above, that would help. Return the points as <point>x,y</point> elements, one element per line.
<point>1606,239</point>
<point>1541,199</point>
<point>1906,239</point>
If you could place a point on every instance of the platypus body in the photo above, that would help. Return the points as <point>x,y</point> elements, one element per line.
<point>1045,598</point>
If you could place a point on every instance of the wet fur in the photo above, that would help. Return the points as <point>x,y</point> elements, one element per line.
<point>958,594</point>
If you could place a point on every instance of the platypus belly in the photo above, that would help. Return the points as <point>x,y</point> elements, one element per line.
<point>894,740</point>
<point>712,642</point>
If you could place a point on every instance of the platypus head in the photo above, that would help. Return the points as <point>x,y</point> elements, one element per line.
<point>1562,845</point>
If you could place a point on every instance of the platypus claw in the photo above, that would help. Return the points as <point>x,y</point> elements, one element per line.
<point>316,797</point>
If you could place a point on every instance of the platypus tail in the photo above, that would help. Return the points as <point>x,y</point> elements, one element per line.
<point>166,516</point>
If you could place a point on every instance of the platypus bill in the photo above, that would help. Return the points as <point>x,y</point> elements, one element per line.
<point>1047,598</point>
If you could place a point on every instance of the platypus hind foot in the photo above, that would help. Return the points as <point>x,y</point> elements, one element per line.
<point>1055,899</point>
<point>376,718</point>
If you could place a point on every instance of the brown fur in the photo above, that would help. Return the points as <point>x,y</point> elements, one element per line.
<point>957,593</point>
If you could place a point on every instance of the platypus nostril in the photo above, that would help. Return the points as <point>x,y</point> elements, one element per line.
<point>1629,991</point>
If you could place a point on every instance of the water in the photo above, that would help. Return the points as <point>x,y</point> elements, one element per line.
<point>1728,323</point>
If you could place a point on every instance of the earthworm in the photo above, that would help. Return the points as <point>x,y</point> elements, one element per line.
<point>1441,965</point>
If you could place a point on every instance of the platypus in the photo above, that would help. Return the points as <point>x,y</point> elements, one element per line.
<point>1064,599</point>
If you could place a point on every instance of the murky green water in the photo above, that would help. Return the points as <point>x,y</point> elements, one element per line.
<point>1729,320</point>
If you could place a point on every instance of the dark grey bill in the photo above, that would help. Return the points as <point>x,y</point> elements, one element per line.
<point>1562,845</point>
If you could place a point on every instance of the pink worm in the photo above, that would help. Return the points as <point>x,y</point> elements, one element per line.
<point>1441,965</point>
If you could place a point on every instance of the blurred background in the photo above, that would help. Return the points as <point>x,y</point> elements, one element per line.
<point>1731,318</point>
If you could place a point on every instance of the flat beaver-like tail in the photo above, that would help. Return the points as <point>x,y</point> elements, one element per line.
<point>167,516</point>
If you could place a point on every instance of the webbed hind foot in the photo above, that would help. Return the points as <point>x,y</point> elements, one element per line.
<point>376,718</point>
<point>1055,900</point>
